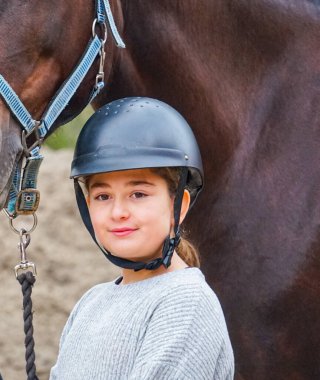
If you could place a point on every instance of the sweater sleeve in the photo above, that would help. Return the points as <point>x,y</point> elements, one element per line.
<point>68,326</point>
<point>185,338</point>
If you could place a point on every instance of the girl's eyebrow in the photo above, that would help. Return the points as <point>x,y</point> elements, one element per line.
<point>98,185</point>
<point>140,182</point>
<point>130,183</point>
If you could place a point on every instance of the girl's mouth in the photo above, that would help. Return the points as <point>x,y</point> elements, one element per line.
<point>124,231</point>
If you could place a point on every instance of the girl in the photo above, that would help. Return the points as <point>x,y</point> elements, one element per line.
<point>137,170</point>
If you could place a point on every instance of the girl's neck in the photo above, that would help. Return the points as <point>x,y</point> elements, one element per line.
<point>130,276</point>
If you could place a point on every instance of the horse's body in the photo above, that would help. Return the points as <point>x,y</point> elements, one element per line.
<point>246,75</point>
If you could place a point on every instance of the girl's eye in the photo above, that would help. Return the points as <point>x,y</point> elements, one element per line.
<point>138,195</point>
<point>102,197</point>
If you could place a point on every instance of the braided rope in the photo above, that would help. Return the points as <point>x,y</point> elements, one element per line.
<point>26,281</point>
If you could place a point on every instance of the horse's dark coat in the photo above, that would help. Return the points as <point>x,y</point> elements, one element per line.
<point>246,75</point>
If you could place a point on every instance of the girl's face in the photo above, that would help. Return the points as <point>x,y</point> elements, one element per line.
<point>131,212</point>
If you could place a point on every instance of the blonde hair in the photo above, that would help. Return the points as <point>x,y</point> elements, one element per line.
<point>186,250</point>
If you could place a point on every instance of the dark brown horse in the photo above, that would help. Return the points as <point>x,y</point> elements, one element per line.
<point>246,75</point>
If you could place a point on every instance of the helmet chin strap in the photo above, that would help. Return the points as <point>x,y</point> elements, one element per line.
<point>167,252</point>
<point>169,244</point>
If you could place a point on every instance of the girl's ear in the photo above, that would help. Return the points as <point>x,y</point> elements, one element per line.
<point>184,205</point>
<point>88,200</point>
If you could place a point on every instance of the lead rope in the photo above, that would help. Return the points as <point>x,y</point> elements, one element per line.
<point>27,280</point>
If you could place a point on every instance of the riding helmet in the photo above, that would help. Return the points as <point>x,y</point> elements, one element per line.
<point>136,133</point>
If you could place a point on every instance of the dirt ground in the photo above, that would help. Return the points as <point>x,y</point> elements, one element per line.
<point>68,263</point>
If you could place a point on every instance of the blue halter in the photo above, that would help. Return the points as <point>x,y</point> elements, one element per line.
<point>23,196</point>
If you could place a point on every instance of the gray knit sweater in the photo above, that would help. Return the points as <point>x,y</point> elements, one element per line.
<point>169,327</point>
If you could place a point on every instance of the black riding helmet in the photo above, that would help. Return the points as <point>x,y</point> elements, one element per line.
<point>137,133</point>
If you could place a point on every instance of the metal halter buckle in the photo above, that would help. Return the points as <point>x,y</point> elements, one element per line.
<point>26,136</point>
<point>103,28</point>
<point>27,202</point>
<point>26,231</point>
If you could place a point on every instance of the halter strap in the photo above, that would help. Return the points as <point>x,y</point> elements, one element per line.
<point>103,10</point>
<point>23,196</point>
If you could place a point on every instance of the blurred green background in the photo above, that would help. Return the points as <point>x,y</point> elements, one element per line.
<point>66,136</point>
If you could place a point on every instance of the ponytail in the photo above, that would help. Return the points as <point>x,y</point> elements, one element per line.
<point>188,253</point>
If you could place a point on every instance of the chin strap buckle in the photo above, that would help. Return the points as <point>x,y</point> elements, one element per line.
<point>154,264</point>
<point>168,250</point>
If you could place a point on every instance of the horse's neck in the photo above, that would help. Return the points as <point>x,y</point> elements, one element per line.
<point>207,47</point>
<point>222,65</point>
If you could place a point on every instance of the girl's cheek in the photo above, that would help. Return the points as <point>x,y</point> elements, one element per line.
<point>94,212</point>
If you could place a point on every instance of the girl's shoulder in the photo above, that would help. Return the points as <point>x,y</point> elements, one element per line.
<point>186,288</point>
<point>188,280</point>
<point>188,305</point>
<point>191,283</point>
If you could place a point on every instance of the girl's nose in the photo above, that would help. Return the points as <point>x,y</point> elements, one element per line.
<point>119,210</point>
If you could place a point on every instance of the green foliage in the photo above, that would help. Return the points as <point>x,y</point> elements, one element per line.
<point>66,136</point>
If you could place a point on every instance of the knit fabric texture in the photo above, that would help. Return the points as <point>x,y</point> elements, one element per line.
<point>168,327</point>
